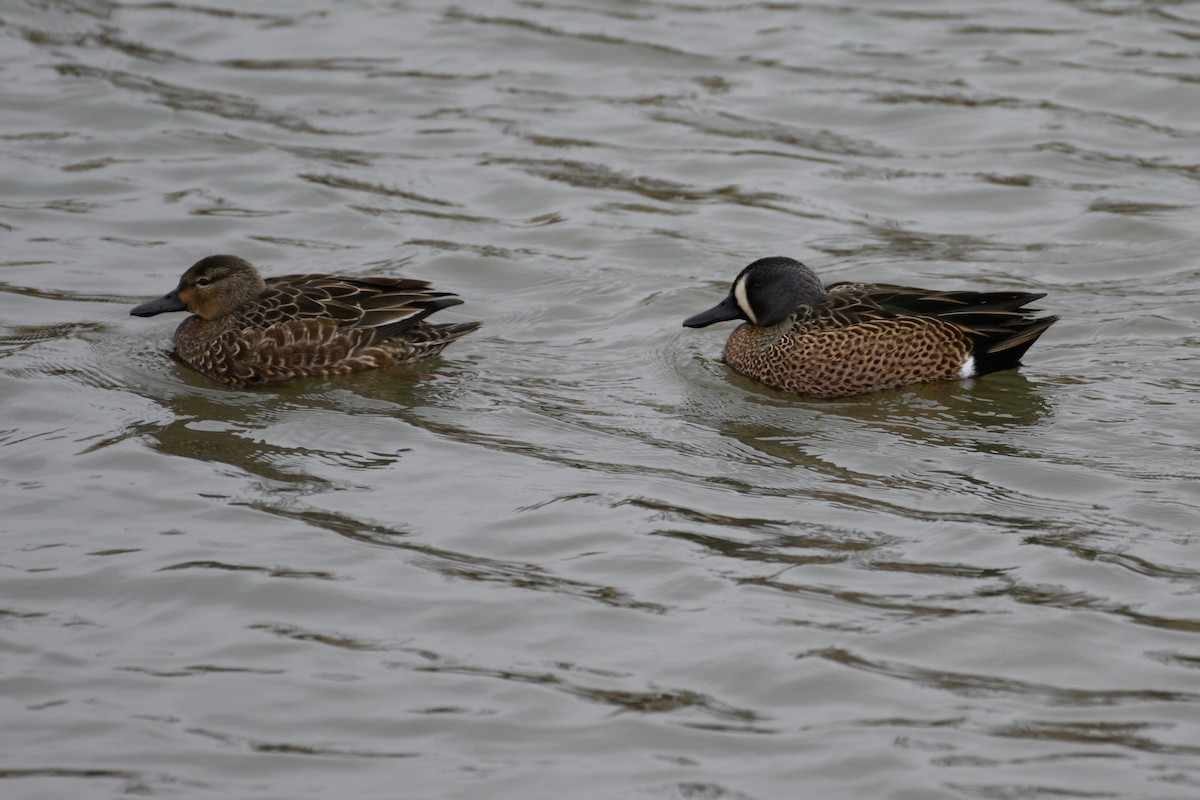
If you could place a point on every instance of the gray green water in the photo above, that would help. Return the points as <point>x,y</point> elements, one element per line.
<point>576,557</point>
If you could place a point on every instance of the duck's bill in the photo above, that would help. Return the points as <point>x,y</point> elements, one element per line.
<point>168,302</point>
<point>726,310</point>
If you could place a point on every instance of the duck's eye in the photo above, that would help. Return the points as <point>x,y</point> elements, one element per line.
<point>203,281</point>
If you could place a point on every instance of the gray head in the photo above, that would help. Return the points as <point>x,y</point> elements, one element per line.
<point>764,294</point>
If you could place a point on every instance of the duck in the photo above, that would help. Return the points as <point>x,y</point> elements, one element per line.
<point>802,337</point>
<point>246,330</point>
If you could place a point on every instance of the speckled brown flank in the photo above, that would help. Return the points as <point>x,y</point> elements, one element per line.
<point>248,331</point>
<point>863,357</point>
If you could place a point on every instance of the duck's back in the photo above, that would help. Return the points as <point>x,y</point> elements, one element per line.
<point>350,302</point>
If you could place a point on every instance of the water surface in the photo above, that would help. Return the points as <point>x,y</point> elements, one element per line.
<point>576,556</point>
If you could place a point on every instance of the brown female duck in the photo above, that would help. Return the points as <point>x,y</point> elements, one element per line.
<point>245,330</point>
<point>850,338</point>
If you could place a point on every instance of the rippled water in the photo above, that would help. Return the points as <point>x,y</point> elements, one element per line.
<point>576,556</point>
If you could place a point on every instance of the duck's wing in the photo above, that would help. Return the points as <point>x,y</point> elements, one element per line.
<point>1000,325</point>
<point>320,346</point>
<point>983,313</point>
<point>387,305</point>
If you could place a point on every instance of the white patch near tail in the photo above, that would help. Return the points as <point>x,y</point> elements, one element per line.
<point>967,370</point>
<point>739,294</point>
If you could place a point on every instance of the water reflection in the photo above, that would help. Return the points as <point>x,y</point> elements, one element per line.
<point>458,565</point>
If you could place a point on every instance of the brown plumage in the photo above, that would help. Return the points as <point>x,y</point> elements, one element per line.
<point>851,338</point>
<point>245,330</point>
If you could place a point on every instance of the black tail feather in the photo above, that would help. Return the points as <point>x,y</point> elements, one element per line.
<point>998,350</point>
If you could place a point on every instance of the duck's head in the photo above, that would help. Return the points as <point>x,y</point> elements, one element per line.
<point>765,294</point>
<point>211,288</point>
